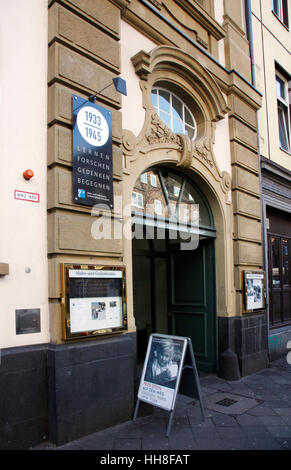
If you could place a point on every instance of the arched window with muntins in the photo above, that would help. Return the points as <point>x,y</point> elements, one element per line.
<point>162,194</point>
<point>174,112</point>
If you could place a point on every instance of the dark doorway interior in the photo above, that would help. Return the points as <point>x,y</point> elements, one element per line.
<point>279,261</point>
<point>174,293</point>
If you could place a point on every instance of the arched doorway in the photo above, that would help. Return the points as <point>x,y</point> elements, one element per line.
<point>174,286</point>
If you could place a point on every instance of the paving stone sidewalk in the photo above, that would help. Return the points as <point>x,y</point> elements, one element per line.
<point>253,413</point>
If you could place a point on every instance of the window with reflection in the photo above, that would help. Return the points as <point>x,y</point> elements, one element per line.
<point>286,259</point>
<point>174,112</point>
<point>275,262</point>
<point>173,197</point>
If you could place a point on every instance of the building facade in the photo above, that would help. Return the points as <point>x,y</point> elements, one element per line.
<point>271,73</point>
<point>185,166</point>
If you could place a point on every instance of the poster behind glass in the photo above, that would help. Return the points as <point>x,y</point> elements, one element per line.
<point>162,370</point>
<point>254,291</point>
<point>94,300</point>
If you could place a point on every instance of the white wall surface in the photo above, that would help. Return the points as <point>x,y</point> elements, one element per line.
<point>132,42</point>
<point>23,120</point>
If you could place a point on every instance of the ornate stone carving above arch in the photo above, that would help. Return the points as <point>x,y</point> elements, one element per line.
<point>179,71</point>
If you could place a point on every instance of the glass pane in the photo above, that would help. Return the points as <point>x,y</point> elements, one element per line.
<point>143,178</point>
<point>285,13</point>
<point>164,101</point>
<point>276,7</point>
<point>154,197</point>
<point>177,108</point>
<point>192,199</point>
<point>275,263</point>
<point>154,98</point>
<point>190,132</point>
<point>188,118</point>
<point>286,255</point>
<point>173,113</point>
<point>166,118</point>
<point>158,207</point>
<point>280,86</point>
<point>178,126</point>
<point>153,180</point>
<point>282,119</point>
<point>173,185</point>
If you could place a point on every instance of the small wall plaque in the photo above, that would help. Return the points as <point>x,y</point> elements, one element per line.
<point>27,321</point>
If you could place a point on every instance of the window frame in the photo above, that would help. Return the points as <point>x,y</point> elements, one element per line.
<point>158,204</point>
<point>137,197</point>
<point>171,114</point>
<point>282,14</point>
<point>283,111</point>
<point>153,180</point>
<point>145,177</point>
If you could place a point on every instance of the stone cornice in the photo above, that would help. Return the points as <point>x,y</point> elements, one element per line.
<point>202,17</point>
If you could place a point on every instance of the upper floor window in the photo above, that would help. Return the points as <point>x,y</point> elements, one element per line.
<point>280,8</point>
<point>137,199</point>
<point>173,112</point>
<point>283,111</point>
<point>143,178</point>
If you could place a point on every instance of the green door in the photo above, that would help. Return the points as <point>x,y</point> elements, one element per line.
<point>193,301</point>
<point>174,289</point>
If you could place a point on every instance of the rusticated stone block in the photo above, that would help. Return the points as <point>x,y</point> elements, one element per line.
<point>242,133</point>
<point>244,157</point>
<point>237,54</point>
<point>75,69</point>
<point>72,233</point>
<point>104,13</point>
<point>88,38</point>
<point>248,229</point>
<point>245,180</point>
<point>247,253</point>
<point>246,205</point>
<point>243,110</point>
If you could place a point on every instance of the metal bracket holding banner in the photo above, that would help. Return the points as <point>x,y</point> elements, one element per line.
<point>162,372</point>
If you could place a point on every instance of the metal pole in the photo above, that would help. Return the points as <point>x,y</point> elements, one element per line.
<point>196,377</point>
<point>136,410</point>
<point>170,423</point>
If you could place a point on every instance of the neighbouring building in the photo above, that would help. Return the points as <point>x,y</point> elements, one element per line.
<point>185,170</point>
<point>271,74</point>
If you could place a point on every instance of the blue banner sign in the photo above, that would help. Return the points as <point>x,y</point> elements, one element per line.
<point>92,154</point>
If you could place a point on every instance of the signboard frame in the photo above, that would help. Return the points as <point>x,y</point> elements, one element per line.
<point>93,315</point>
<point>254,291</point>
<point>154,388</point>
<point>92,154</point>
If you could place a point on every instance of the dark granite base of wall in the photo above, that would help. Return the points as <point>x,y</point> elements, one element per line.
<point>61,392</point>
<point>23,397</point>
<point>91,386</point>
<point>247,338</point>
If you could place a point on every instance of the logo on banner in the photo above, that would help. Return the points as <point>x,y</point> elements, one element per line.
<point>81,193</point>
<point>92,126</point>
